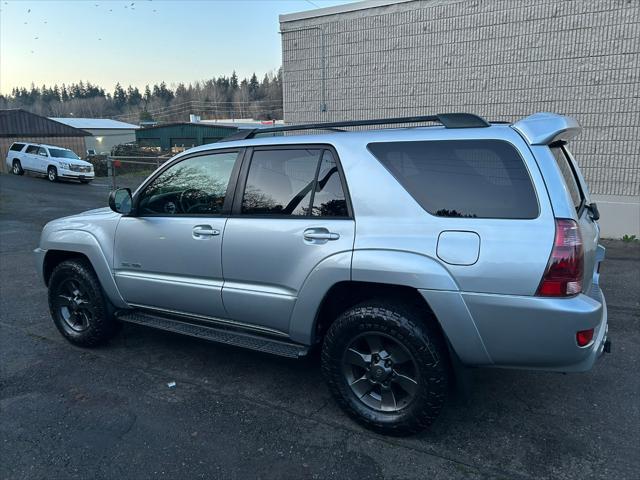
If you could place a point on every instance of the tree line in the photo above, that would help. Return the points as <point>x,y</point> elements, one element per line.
<point>218,97</point>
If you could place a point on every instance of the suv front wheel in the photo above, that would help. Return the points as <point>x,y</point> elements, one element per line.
<point>387,366</point>
<point>79,309</point>
<point>52,174</point>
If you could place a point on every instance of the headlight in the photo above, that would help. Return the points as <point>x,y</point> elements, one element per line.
<point>64,165</point>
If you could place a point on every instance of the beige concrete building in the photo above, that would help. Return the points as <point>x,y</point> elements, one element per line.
<point>500,59</point>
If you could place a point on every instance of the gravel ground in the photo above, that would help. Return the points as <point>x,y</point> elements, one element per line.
<point>71,413</point>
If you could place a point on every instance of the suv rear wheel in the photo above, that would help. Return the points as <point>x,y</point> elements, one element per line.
<point>79,309</point>
<point>387,366</point>
<point>52,174</point>
<point>17,168</point>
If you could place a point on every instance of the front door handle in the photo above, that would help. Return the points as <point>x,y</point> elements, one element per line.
<point>320,234</point>
<point>200,231</point>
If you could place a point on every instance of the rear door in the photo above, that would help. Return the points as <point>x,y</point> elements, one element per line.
<point>580,198</point>
<point>290,213</point>
<point>30,157</point>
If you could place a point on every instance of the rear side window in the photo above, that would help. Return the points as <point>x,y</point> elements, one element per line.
<point>16,147</point>
<point>462,178</point>
<point>329,199</point>
<point>294,182</point>
<point>32,149</point>
<point>569,176</point>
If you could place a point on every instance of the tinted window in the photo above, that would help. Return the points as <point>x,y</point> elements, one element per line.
<point>59,153</point>
<point>462,178</point>
<point>43,152</point>
<point>32,149</point>
<point>16,147</point>
<point>195,186</point>
<point>568,175</point>
<point>329,199</point>
<point>280,182</point>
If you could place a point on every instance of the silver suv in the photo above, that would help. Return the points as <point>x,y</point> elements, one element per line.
<point>404,254</point>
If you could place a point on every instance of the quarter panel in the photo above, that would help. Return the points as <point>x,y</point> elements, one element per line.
<point>331,270</point>
<point>400,268</point>
<point>513,252</point>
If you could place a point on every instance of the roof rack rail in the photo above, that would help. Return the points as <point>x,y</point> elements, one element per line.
<point>448,120</point>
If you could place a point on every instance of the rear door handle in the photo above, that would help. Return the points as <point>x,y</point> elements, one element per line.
<point>312,234</point>
<point>204,231</point>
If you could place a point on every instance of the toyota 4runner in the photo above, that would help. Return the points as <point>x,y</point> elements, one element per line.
<point>404,254</point>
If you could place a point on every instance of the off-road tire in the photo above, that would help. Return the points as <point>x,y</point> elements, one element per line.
<point>52,174</point>
<point>103,325</point>
<point>419,334</point>
<point>16,168</point>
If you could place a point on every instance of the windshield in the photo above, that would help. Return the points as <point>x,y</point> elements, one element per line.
<point>57,152</point>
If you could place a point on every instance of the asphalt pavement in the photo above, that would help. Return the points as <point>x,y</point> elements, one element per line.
<point>67,412</point>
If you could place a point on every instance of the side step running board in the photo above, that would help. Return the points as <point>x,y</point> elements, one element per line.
<point>220,335</point>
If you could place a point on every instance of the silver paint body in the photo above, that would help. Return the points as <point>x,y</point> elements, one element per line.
<point>479,276</point>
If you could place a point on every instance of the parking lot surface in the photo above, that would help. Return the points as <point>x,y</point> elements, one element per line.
<point>67,412</point>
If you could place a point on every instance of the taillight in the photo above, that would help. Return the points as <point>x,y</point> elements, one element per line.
<point>563,276</point>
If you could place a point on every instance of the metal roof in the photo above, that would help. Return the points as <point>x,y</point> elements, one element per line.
<point>95,123</point>
<point>199,125</point>
<point>20,123</point>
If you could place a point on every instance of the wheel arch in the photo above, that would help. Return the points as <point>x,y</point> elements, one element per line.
<point>65,244</point>
<point>395,275</point>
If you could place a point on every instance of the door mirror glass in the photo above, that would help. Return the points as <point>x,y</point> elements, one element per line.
<point>120,201</point>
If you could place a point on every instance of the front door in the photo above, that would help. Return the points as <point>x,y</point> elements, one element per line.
<point>168,256</point>
<point>41,160</point>
<point>290,213</point>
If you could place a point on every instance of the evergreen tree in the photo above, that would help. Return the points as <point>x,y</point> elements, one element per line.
<point>133,96</point>
<point>253,87</point>
<point>119,97</point>
<point>147,94</point>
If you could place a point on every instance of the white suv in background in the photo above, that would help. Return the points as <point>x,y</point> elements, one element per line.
<point>54,162</point>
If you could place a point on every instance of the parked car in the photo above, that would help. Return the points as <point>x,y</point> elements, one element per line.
<point>54,162</point>
<point>405,254</point>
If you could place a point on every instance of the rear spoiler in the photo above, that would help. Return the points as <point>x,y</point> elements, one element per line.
<point>545,128</point>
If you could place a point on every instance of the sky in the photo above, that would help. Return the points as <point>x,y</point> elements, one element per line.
<point>140,42</point>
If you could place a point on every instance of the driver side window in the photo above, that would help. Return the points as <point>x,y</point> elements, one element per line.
<point>195,186</point>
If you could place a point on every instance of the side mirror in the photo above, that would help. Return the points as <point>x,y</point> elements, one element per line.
<point>595,214</point>
<point>120,201</point>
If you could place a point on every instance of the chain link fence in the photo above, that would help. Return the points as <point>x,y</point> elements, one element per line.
<point>130,171</point>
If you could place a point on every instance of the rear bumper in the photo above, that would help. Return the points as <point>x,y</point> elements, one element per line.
<point>540,333</point>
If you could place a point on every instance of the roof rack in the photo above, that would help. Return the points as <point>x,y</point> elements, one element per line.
<point>448,120</point>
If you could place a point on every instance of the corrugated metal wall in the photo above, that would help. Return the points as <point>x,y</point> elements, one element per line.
<point>183,134</point>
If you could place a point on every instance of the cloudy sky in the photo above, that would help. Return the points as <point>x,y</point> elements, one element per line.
<point>139,41</point>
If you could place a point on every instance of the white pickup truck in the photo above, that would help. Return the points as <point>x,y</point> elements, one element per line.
<point>54,162</point>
